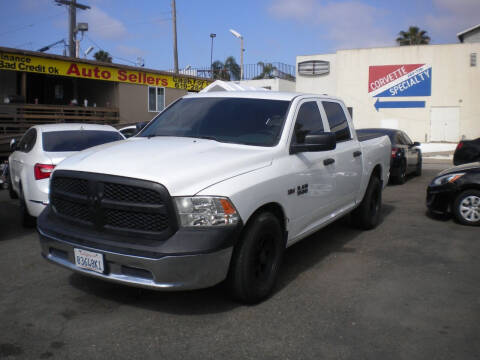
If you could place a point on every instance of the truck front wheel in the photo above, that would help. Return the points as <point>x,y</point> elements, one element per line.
<point>367,215</point>
<point>256,259</point>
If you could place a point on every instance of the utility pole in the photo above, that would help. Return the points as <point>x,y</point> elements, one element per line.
<point>211,55</point>
<point>72,22</point>
<point>175,53</point>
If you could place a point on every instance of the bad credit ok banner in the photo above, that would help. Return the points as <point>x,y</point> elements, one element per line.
<point>47,66</point>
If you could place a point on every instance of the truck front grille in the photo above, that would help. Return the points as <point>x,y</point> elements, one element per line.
<point>112,203</point>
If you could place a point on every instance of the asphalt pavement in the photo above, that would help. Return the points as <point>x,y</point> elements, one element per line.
<point>407,290</point>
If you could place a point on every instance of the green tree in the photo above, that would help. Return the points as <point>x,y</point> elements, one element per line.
<point>102,56</point>
<point>268,71</point>
<point>228,70</point>
<point>413,36</point>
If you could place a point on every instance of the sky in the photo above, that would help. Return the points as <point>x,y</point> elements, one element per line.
<point>273,30</point>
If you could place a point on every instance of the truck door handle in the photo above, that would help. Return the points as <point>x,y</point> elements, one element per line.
<point>357,153</point>
<point>328,161</point>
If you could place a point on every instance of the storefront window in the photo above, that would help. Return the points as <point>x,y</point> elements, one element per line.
<point>156,99</point>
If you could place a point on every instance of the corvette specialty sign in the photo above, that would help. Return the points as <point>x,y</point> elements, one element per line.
<point>399,81</point>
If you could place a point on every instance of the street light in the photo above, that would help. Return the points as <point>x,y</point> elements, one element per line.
<point>211,55</point>
<point>238,36</point>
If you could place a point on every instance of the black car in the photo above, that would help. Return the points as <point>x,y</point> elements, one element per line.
<point>457,191</point>
<point>406,155</point>
<point>467,151</point>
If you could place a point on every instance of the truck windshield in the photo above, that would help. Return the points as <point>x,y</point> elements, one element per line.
<point>77,140</point>
<point>256,122</point>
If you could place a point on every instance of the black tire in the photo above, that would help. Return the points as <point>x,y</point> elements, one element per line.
<point>367,215</point>
<point>11,192</point>
<point>418,170</point>
<point>27,220</point>
<point>466,207</point>
<point>402,177</point>
<point>256,259</point>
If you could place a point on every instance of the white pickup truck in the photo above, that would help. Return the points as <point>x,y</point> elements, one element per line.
<point>214,188</point>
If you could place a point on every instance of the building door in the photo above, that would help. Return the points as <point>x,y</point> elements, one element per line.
<point>444,124</point>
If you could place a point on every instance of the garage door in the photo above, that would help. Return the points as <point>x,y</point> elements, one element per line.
<point>444,124</point>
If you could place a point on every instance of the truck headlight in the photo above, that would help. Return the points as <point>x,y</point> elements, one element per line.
<point>206,211</point>
<point>445,179</point>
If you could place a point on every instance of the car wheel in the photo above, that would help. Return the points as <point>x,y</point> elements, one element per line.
<point>466,207</point>
<point>402,177</point>
<point>256,259</point>
<point>26,219</point>
<point>418,170</point>
<point>11,192</point>
<point>367,215</point>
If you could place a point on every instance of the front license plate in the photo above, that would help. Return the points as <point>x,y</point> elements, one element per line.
<point>89,260</point>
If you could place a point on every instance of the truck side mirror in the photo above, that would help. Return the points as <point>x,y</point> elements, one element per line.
<point>322,141</point>
<point>13,145</point>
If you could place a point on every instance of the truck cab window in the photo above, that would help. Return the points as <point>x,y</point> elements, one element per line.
<point>337,120</point>
<point>309,121</point>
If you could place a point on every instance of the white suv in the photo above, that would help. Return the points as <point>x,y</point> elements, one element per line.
<point>40,149</point>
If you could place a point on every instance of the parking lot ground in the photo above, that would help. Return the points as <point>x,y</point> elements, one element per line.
<point>407,290</point>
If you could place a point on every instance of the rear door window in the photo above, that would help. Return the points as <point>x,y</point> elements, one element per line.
<point>337,120</point>
<point>28,141</point>
<point>77,140</point>
<point>309,121</point>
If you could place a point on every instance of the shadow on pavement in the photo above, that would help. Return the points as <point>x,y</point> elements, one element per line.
<point>10,226</point>
<point>310,251</point>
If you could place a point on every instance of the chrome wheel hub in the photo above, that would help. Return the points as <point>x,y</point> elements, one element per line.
<point>470,208</point>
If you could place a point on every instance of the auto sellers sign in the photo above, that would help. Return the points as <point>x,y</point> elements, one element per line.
<point>85,70</point>
<point>399,81</point>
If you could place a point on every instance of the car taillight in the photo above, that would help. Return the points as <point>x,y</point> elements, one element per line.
<point>394,152</point>
<point>43,171</point>
<point>459,146</point>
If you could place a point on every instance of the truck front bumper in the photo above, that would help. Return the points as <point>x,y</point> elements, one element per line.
<point>180,272</point>
<point>169,266</point>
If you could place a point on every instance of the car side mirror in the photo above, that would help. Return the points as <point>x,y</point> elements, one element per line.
<point>13,144</point>
<point>416,143</point>
<point>322,141</point>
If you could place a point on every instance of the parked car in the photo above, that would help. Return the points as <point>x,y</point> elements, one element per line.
<point>37,153</point>
<point>457,191</point>
<point>132,130</point>
<point>4,176</point>
<point>214,188</point>
<point>467,151</point>
<point>406,156</point>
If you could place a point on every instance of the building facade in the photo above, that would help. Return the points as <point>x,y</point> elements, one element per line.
<point>430,91</point>
<point>42,79</point>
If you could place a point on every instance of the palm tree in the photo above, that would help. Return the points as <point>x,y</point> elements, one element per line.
<point>102,56</point>
<point>229,70</point>
<point>267,71</point>
<point>413,36</point>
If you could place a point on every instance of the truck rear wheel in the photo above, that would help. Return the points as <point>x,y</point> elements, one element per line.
<point>256,259</point>
<point>367,215</point>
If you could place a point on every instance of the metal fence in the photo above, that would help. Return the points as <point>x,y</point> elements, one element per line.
<point>275,70</point>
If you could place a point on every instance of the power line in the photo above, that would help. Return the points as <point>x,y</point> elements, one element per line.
<point>20,28</point>
<point>113,56</point>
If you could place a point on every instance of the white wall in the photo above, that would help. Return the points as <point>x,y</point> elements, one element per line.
<point>272,84</point>
<point>454,84</point>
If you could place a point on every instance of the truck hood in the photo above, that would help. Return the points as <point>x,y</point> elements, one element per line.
<point>183,165</point>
